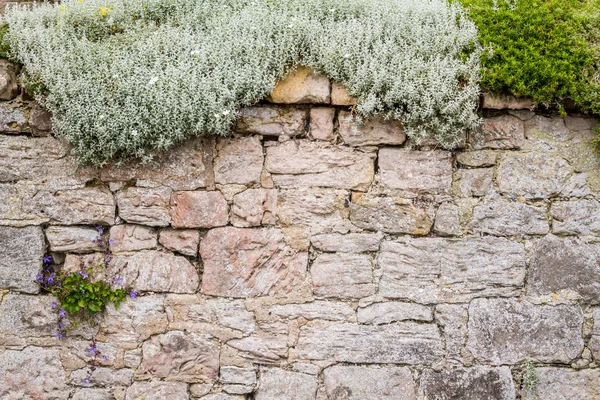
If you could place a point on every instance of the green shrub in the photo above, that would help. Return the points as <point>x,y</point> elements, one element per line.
<point>125,78</point>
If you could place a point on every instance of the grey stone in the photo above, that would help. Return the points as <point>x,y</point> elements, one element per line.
<point>28,316</point>
<point>237,389</point>
<point>503,132</point>
<point>415,170</point>
<point>372,132</point>
<point>242,376</point>
<point>348,243</point>
<point>507,218</point>
<point>92,394</point>
<point>279,384</point>
<point>402,343</point>
<point>239,161</point>
<point>9,87</point>
<point>447,221</point>
<point>477,383</point>
<point>32,373</point>
<point>272,121</point>
<point>145,206</point>
<point>580,123</point>
<point>473,182</point>
<point>432,270</point>
<point>21,253</point>
<point>369,383</point>
<point>158,391</point>
<point>13,118</point>
<point>223,396</point>
<point>478,158</point>
<point>503,102</point>
<point>200,389</point>
<point>564,265</point>
<point>262,350</point>
<point>101,376</point>
<point>385,313</point>
<point>503,331</point>
<point>577,217</point>
<point>40,121</point>
<point>566,384</point>
<point>343,276</point>
<point>453,319</point>
<point>72,239</point>
<point>132,238</point>
<point>325,310</point>
<point>595,340</point>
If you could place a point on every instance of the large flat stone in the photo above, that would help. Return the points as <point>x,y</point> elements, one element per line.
<point>343,275</point>
<point>402,343</point>
<point>242,262</point>
<point>261,350</point>
<point>415,170</point>
<point>272,121</point>
<point>503,331</point>
<point>278,384</point>
<point>503,132</point>
<point>199,209</point>
<point>473,182</point>
<point>566,384</point>
<point>576,217</point>
<point>304,163</point>
<point>394,311</point>
<point>128,237</point>
<point>349,243</point>
<point>302,86</point>
<point>476,383</point>
<point>145,206</point>
<point>28,316</point>
<point>21,253</point>
<point>184,241</point>
<point>509,218</point>
<point>239,161</point>
<point>372,132</point>
<point>158,391</point>
<point>321,209</point>
<point>72,239</point>
<point>369,383</point>
<point>431,270</point>
<point>325,310</point>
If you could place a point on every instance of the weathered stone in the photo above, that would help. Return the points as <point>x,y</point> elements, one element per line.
<point>386,313</point>
<point>242,376</point>
<point>200,389</point>
<point>13,118</point>
<point>182,241</point>
<point>179,356</point>
<point>447,221</point>
<point>321,123</point>
<point>340,96</point>
<point>343,276</point>
<point>504,132</point>
<point>321,209</point>
<point>199,209</point>
<point>32,373</point>
<point>453,319</point>
<point>497,101</point>
<point>158,391</point>
<point>249,262</point>
<point>72,239</point>
<point>577,217</point>
<point>473,182</point>
<point>595,340</point>
<point>239,161</point>
<point>543,133</point>
<point>403,343</point>
<point>184,167</point>
<point>503,331</point>
<point>477,383</point>
<point>132,238</point>
<point>302,86</point>
<point>566,384</point>
<point>9,87</point>
<point>580,123</point>
<point>92,394</point>
<point>391,215</point>
<point>40,121</point>
<point>223,396</point>
<point>479,158</point>
<point>431,270</point>
<point>272,121</point>
<point>101,376</point>
<point>369,383</point>
<point>263,350</point>
<point>349,243</point>
<point>534,175</point>
<point>27,316</point>
<point>371,132</point>
<point>326,310</point>
<point>254,207</point>
<point>21,253</point>
<point>507,218</point>
<point>415,170</point>
<point>306,163</point>
<point>237,389</point>
<point>145,206</point>
<point>277,383</point>
<point>88,206</point>
<point>564,265</point>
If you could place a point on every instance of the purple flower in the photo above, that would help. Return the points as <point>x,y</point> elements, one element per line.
<point>39,278</point>
<point>60,336</point>
<point>117,220</point>
<point>111,241</point>
<point>119,280</point>
<point>47,259</point>
<point>54,305</point>
<point>61,326</point>
<point>133,294</point>
<point>86,381</point>
<point>105,358</point>
<point>61,313</point>
<point>92,350</point>
<point>84,275</point>
<point>82,291</point>
<point>99,229</point>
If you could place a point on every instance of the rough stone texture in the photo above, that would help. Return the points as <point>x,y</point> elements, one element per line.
<point>479,158</point>
<point>131,238</point>
<point>503,101</point>
<point>431,270</point>
<point>239,161</point>
<point>403,343</point>
<point>145,206</point>
<point>276,383</point>
<point>21,253</point>
<point>158,391</point>
<point>40,121</point>
<point>92,394</point>
<point>272,121</point>
<point>263,350</point>
<point>72,239</point>
<point>564,265</point>
<point>304,163</point>
<point>391,214</point>
<point>323,209</point>
<point>385,313</point>
<point>566,384</point>
<point>199,209</point>
<point>326,310</point>
<point>477,383</point>
<point>12,118</point>
<point>177,356</point>
<point>369,383</point>
<point>31,374</point>
<point>302,86</point>
<point>321,123</point>
<point>242,376</point>
<point>9,88</point>
<point>415,170</point>
<point>504,132</point>
<point>473,182</point>
<point>182,241</point>
<point>506,218</point>
<point>349,243</point>
<point>340,96</point>
<point>447,221</point>
<point>249,262</point>
<point>343,276</point>
<point>577,217</point>
<point>595,340</point>
<point>27,316</point>
<point>453,319</point>
<point>254,207</point>
<point>507,331</point>
<point>371,132</point>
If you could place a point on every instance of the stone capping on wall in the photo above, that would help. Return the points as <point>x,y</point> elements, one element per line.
<point>309,257</point>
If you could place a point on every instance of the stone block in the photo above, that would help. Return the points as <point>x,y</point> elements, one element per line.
<point>277,383</point>
<point>302,86</point>
<point>503,132</point>
<point>595,340</point>
<point>342,276</point>
<point>73,239</point>
<point>145,206</point>
<point>40,121</point>
<point>369,383</point>
<point>239,161</point>
<point>28,316</point>
<point>325,310</point>
<point>321,123</point>
<point>9,85</point>
<point>92,394</point>
<point>386,313</point>
<point>429,171</point>
<point>182,241</point>
<point>237,375</point>
<point>199,210</point>
<point>21,253</point>
<point>576,217</point>
<point>473,182</point>
<point>132,238</point>
<point>566,384</point>
<point>447,220</point>
<point>272,121</point>
<point>101,376</point>
<point>261,350</point>
<point>158,391</point>
<point>254,207</point>
<point>322,209</point>
<point>453,319</point>
<point>13,118</point>
<point>476,383</point>
<point>348,243</point>
<point>373,132</point>
<point>478,158</point>
<point>497,101</point>
<point>340,96</point>
<point>507,218</point>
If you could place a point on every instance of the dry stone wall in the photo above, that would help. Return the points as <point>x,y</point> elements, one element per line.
<point>309,256</point>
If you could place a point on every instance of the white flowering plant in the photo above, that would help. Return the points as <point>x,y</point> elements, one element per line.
<point>127,78</point>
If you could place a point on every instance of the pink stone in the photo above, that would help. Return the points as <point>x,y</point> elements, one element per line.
<point>199,210</point>
<point>132,238</point>
<point>239,161</point>
<point>145,206</point>
<point>272,121</point>
<point>321,123</point>
<point>182,241</point>
<point>371,132</point>
<point>504,132</point>
<point>254,207</point>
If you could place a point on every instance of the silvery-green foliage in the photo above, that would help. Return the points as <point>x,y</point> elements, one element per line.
<point>127,77</point>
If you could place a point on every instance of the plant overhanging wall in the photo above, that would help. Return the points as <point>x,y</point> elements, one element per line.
<point>125,78</point>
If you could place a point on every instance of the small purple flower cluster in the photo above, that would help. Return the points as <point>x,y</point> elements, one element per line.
<point>101,240</point>
<point>47,278</point>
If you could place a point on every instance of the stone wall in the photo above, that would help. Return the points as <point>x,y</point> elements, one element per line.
<point>310,257</point>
